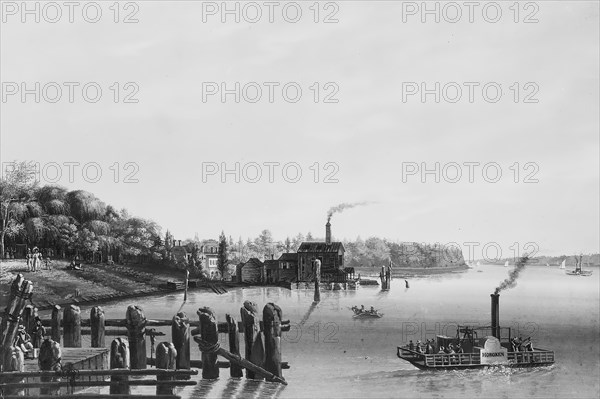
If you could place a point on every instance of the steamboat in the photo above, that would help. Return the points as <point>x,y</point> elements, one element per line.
<point>476,347</point>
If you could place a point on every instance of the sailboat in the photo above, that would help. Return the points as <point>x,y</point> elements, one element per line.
<point>506,264</point>
<point>563,264</point>
<point>547,264</point>
<point>578,271</point>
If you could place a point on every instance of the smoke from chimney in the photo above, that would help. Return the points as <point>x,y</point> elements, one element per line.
<point>339,208</point>
<point>513,275</point>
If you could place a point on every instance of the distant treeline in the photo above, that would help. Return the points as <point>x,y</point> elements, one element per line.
<point>76,223</point>
<point>64,223</point>
<point>371,252</point>
<point>588,259</point>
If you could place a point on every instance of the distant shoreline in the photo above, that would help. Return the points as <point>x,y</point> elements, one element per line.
<point>410,271</point>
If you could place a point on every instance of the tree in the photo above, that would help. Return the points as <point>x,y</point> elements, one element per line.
<point>264,243</point>
<point>288,244</point>
<point>16,189</point>
<point>222,259</point>
<point>299,239</point>
<point>137,237</point>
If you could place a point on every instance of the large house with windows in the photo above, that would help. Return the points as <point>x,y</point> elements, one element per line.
<point>209,256</point>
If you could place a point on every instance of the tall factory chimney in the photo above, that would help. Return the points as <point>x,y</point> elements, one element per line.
<point>328,233</point>
<point>495,315</point>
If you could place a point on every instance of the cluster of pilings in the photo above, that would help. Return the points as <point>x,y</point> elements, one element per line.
<point>386,277</point>
<point>262,341</point>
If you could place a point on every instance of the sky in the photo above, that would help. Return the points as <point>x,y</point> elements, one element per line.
<point>163,135</point>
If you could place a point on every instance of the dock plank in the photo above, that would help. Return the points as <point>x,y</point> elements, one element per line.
<point>80,357</point>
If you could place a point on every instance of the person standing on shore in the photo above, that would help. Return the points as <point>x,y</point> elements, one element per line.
<point>28,258</point>
<point>35,259</point>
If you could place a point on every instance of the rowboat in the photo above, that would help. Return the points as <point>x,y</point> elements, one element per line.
<point>375,315</point>
<point>364,313</point>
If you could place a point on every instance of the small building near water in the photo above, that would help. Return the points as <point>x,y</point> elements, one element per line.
<point>252,271</point>
<point>331,255</point>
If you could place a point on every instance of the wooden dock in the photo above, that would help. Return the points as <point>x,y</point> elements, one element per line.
<point>80,358</point>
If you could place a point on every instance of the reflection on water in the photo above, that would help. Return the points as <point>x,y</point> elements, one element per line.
<point>331,354</point>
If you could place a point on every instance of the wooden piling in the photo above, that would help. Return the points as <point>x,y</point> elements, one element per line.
<point>119,359</point>
<point>234,345</point>
<point>55,323</point>
<point>180,334</point>
<point>136,328</point>
<point>20,292</point>
<point>15,361</point>
<point>29,314</point>
<point>272,331</point>
<point>209,333</point>
<point>317,270</point>
<point>187,278</point>
<point>166,358</point>
<point>49,360</point>
<point>97,324</point>
<point>253,346</point>
<point>72,327</point>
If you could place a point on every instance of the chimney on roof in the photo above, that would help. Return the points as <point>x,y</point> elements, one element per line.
<point>179,243</point>
<point>328,233</point>
<point>272,256</point>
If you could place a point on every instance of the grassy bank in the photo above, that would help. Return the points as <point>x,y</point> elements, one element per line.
<point>92,284</point>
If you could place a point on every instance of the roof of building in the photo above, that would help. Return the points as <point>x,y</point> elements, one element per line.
<point>254,261</point>
<point>320,246</point>
<point>272,264</point>
<point>289,257</point>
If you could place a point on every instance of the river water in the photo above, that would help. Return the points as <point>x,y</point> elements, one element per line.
<point>335,356</point>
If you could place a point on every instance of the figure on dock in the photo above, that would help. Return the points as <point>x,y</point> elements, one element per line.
<point>23,341</point>
<point>38,333</point>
